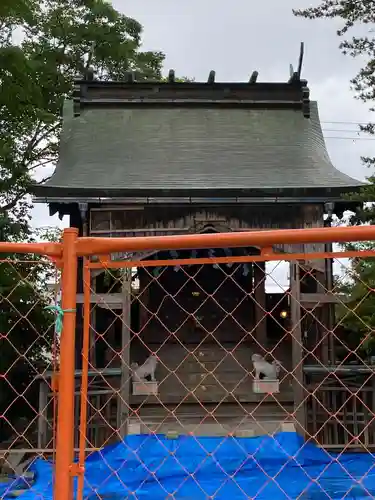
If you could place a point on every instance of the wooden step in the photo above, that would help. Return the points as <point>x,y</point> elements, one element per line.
<point>263,411</point>
<point>185,426</point>
<point>249,420</point>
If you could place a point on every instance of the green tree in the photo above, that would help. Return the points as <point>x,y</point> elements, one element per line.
<point>355,14</point>
<point>357,316</point>
<point>26,334</point>
<point>61,39</point>
<point>14,13</point>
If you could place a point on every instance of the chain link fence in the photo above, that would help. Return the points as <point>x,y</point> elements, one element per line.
<point>28,355</point>
<point>236,367</point>
<point>193,355</point>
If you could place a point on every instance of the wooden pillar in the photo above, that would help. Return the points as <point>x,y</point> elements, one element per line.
<point>330,307</point>
<point>124,394</point>
<point>297,349</point>
<point>42,416</point>
<point>260,303</point>
<point>144,293</point>
<point>110,351</point>
<point>323,317</point>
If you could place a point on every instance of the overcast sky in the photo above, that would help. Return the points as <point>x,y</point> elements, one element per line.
<point>234,38</point>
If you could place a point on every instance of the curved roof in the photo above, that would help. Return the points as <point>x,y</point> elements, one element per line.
<point>108,151</point>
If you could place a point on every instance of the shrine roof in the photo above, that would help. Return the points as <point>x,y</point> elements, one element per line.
<point>138,139</point>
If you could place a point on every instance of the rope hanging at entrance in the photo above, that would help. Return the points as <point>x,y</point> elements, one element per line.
<point>211,253</point>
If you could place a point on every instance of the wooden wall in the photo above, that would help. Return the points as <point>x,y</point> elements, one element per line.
<point>160,220</point>
<point>119,220</point>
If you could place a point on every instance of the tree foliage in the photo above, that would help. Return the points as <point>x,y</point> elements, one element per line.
<point>357,315</point>
<point>58,40</point>
<point>357,40</point>
<point>26,330</point>
<point>354,15</point>
<point>62,39</point>
<point>27,340</point>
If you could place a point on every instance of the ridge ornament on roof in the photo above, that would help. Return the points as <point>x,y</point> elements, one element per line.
<point>211,142</point>
<point>293,94</point>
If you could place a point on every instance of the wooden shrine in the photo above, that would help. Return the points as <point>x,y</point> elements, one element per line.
<point>154,159</point>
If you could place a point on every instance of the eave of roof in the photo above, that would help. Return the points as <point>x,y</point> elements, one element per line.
<point>284,196</point>
<point>153,140</point>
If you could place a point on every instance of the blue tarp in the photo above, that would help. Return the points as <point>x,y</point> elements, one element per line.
<point>275,467</point>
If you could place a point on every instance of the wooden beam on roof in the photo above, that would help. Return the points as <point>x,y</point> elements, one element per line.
<point>211,77</point>
<point>254,77</point>
<point>300,59</point>
<point>171,76</point>
<point>293,74</point>
<point>129,77</point>
<point>90,74</point>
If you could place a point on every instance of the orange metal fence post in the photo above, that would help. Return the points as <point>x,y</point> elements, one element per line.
<point>85,374</point>
<point>65,413</point>
<point>289,334</point>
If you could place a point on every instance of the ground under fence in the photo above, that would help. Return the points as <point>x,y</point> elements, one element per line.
<point>220,357</point>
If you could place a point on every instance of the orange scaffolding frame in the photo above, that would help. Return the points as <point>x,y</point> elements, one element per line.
<point>65,255</point>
